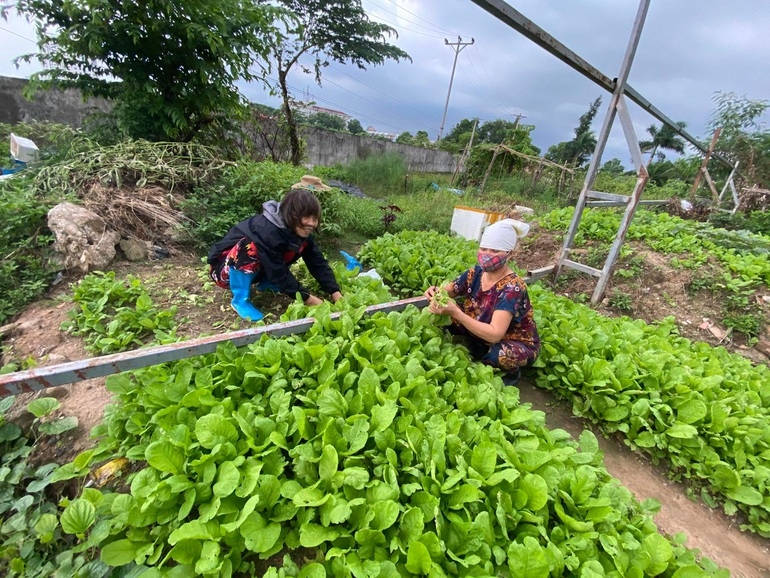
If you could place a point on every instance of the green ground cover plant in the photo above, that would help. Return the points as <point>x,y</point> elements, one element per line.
<point>412,261</point>
<point>34,540</point>
<point>114,315</point>
<point>376,444</point>
<point>700,408</point>
<point>744,257</point>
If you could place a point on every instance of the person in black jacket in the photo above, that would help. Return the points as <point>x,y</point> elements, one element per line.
<point>262,248</point>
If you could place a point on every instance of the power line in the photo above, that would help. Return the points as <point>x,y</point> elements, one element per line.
<point>411,21</point>
<point>377,90</point>
<point>495,108</point>
<point>19,35</point>
<point>492,93</point>
<point>400,26</point>
<point>423,19</point>
<point>491,97</point>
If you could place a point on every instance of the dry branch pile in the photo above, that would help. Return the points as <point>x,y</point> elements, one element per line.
<point>137,186</point>
<point>753,199</point>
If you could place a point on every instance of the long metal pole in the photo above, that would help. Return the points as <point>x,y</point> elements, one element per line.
<point>54,375</point>
<point>526,27</point>
<point>459,46</point>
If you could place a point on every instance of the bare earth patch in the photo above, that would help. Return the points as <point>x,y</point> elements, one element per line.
<point>655,292</point>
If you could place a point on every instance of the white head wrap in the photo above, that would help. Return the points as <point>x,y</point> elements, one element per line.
<point>502,235</point>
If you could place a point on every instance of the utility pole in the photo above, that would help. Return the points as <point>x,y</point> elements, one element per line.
<point>457,47</point>
<point>461,163</point>
<point>519,116</point>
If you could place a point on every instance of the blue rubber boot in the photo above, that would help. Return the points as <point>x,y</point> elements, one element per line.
<point>240,285</point>
<point>352,262</point>
<point>266,285</point>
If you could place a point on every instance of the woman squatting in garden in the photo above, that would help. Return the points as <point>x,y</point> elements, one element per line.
<point>260,250</point>
<point>496,313</point>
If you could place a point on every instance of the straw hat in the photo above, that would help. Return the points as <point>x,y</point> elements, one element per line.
<point>311,183</point>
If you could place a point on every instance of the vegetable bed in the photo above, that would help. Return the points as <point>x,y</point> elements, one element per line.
<point>376,444</point>
<point>704,410</point>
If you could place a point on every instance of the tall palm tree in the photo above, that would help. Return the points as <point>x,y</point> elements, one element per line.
<point>663,137</point>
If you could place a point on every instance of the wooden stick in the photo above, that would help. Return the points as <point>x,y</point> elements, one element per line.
<point>704,164</point>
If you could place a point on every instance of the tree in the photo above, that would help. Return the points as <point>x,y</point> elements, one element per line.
<point>327,30</point>
<point>421,139</point>
<point>578,150</point>
<point>663,137</point>
<point>456,139</point>
<point>743,138</point>
<point>354,126</point>
<point>613,167</point>
<point>327,121</point>
<point>462,127</point>
<point>405,138</point>
<point>169,66</point>
<point>497,131</point>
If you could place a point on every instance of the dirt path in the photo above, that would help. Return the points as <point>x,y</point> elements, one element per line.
<point>714,534</point>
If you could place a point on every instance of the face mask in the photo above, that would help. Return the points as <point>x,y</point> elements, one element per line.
<point>490,262</point>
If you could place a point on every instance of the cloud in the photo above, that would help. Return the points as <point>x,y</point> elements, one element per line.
<point>687,52</point>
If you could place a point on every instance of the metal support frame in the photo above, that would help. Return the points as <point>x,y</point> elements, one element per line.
<point>617,107</point>
<point>731,183</point>
<point>527,28</point>
<point>64,373</point>
<point>620,91</point>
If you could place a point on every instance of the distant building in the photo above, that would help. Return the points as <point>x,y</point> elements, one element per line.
<point>371,131</point>
<point>307,108</point>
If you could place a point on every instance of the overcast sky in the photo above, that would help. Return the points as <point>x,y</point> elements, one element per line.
<point>689,50</point>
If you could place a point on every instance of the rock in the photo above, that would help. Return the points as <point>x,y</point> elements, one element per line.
<point>82,238</point>
<point>177,234</point>
<point>763,347</point>
<point>133,250</point>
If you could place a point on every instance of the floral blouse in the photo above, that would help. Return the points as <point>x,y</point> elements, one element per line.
<point>508,294</point>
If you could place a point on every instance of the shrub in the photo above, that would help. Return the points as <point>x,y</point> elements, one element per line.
<point>754,221</point>
<point>237,194</point>
<point>25,268</point>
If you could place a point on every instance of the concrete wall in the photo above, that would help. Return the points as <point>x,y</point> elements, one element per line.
<point>328,148</point>
<point>62,106</point>
<point>323,147</point>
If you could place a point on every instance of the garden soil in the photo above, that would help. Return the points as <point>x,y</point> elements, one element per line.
<point>656,292</point>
